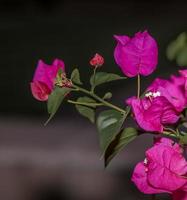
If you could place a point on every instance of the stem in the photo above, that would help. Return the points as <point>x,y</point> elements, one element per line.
<point>93,85</point>
<point>170,134</point>
<point>138,86</point>
<point>105,103</point>
<point>85,104</point>
<point>171,130</point>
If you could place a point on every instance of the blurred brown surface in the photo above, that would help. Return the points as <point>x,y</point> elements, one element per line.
<point>62,161</point>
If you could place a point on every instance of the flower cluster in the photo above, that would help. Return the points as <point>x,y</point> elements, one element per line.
<point>160,110</point>
<point>162,103</point>
<point>163,170</point>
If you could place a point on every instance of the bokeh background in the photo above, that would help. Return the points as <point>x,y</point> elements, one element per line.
<point>62,161</point>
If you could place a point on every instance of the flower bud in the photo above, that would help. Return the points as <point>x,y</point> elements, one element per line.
<point>97,60</point>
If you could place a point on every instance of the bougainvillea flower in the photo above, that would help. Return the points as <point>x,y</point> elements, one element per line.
<point>153,112</point>
<point>136,55</point>
<point>97,60</point>
<point>163,170</point>
<point>44,78</point>
<point>172,90</point>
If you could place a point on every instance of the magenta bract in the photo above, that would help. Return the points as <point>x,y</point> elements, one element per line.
<point>159,171</point>
<point>40,90</point>
<point>44,79</point>
<point>172,90</point>
<point>136,55</point>
<point>152,113</point>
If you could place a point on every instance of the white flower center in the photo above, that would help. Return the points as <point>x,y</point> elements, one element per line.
<point>156,94</point>
<point>145,161</point>
<point>153,94</point>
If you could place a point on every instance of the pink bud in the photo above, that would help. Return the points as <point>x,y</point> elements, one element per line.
<point>97,60</point>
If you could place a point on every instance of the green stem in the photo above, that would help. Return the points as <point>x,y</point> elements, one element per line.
<point>170,130</point>
<point>105,103</point>
<point>138,86</point>
<point>93,85</point>
<point>85,104</point>
<point>170,134</point>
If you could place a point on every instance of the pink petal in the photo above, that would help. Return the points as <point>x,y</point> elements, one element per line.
<point>147,116</point>
<point>59,64</point>
<point>138,55</point>
<point>171,91</point>
<point>139,177</point>
<point>121,59</point>
<point>122,39</point>
<point>168,143</point>
<point>47,73</point>
<point>41,74</point>
<point>183,73</point>
<point>163,172</point>
<point>40,91</point>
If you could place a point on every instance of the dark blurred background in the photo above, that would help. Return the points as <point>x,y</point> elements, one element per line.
<point>62,161</point>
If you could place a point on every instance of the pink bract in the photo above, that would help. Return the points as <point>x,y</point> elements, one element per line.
<point>136,55</point>
<point>159,172</point>
<point>40,91</point>
<point>172,90</point>
<point>152,113</point>
<point>44,79</point>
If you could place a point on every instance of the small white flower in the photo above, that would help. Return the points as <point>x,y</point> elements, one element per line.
<point>153,94</point>
<point>156,94</point>
<point>145,161</point>
<point>149,94</point>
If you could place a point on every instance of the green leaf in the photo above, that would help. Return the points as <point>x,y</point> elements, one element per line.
<point>87,100</point>
<point>183,139</point>
<point>109,124</point>
<point>55,99</point>
<point>182,57</point>
<point>108,95</point>
<point>86,112</point>
<point>104,77</point>
<point>175,46</point>
<point>58,80</point>
<point>122,139</point>
<point>75,77</point>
